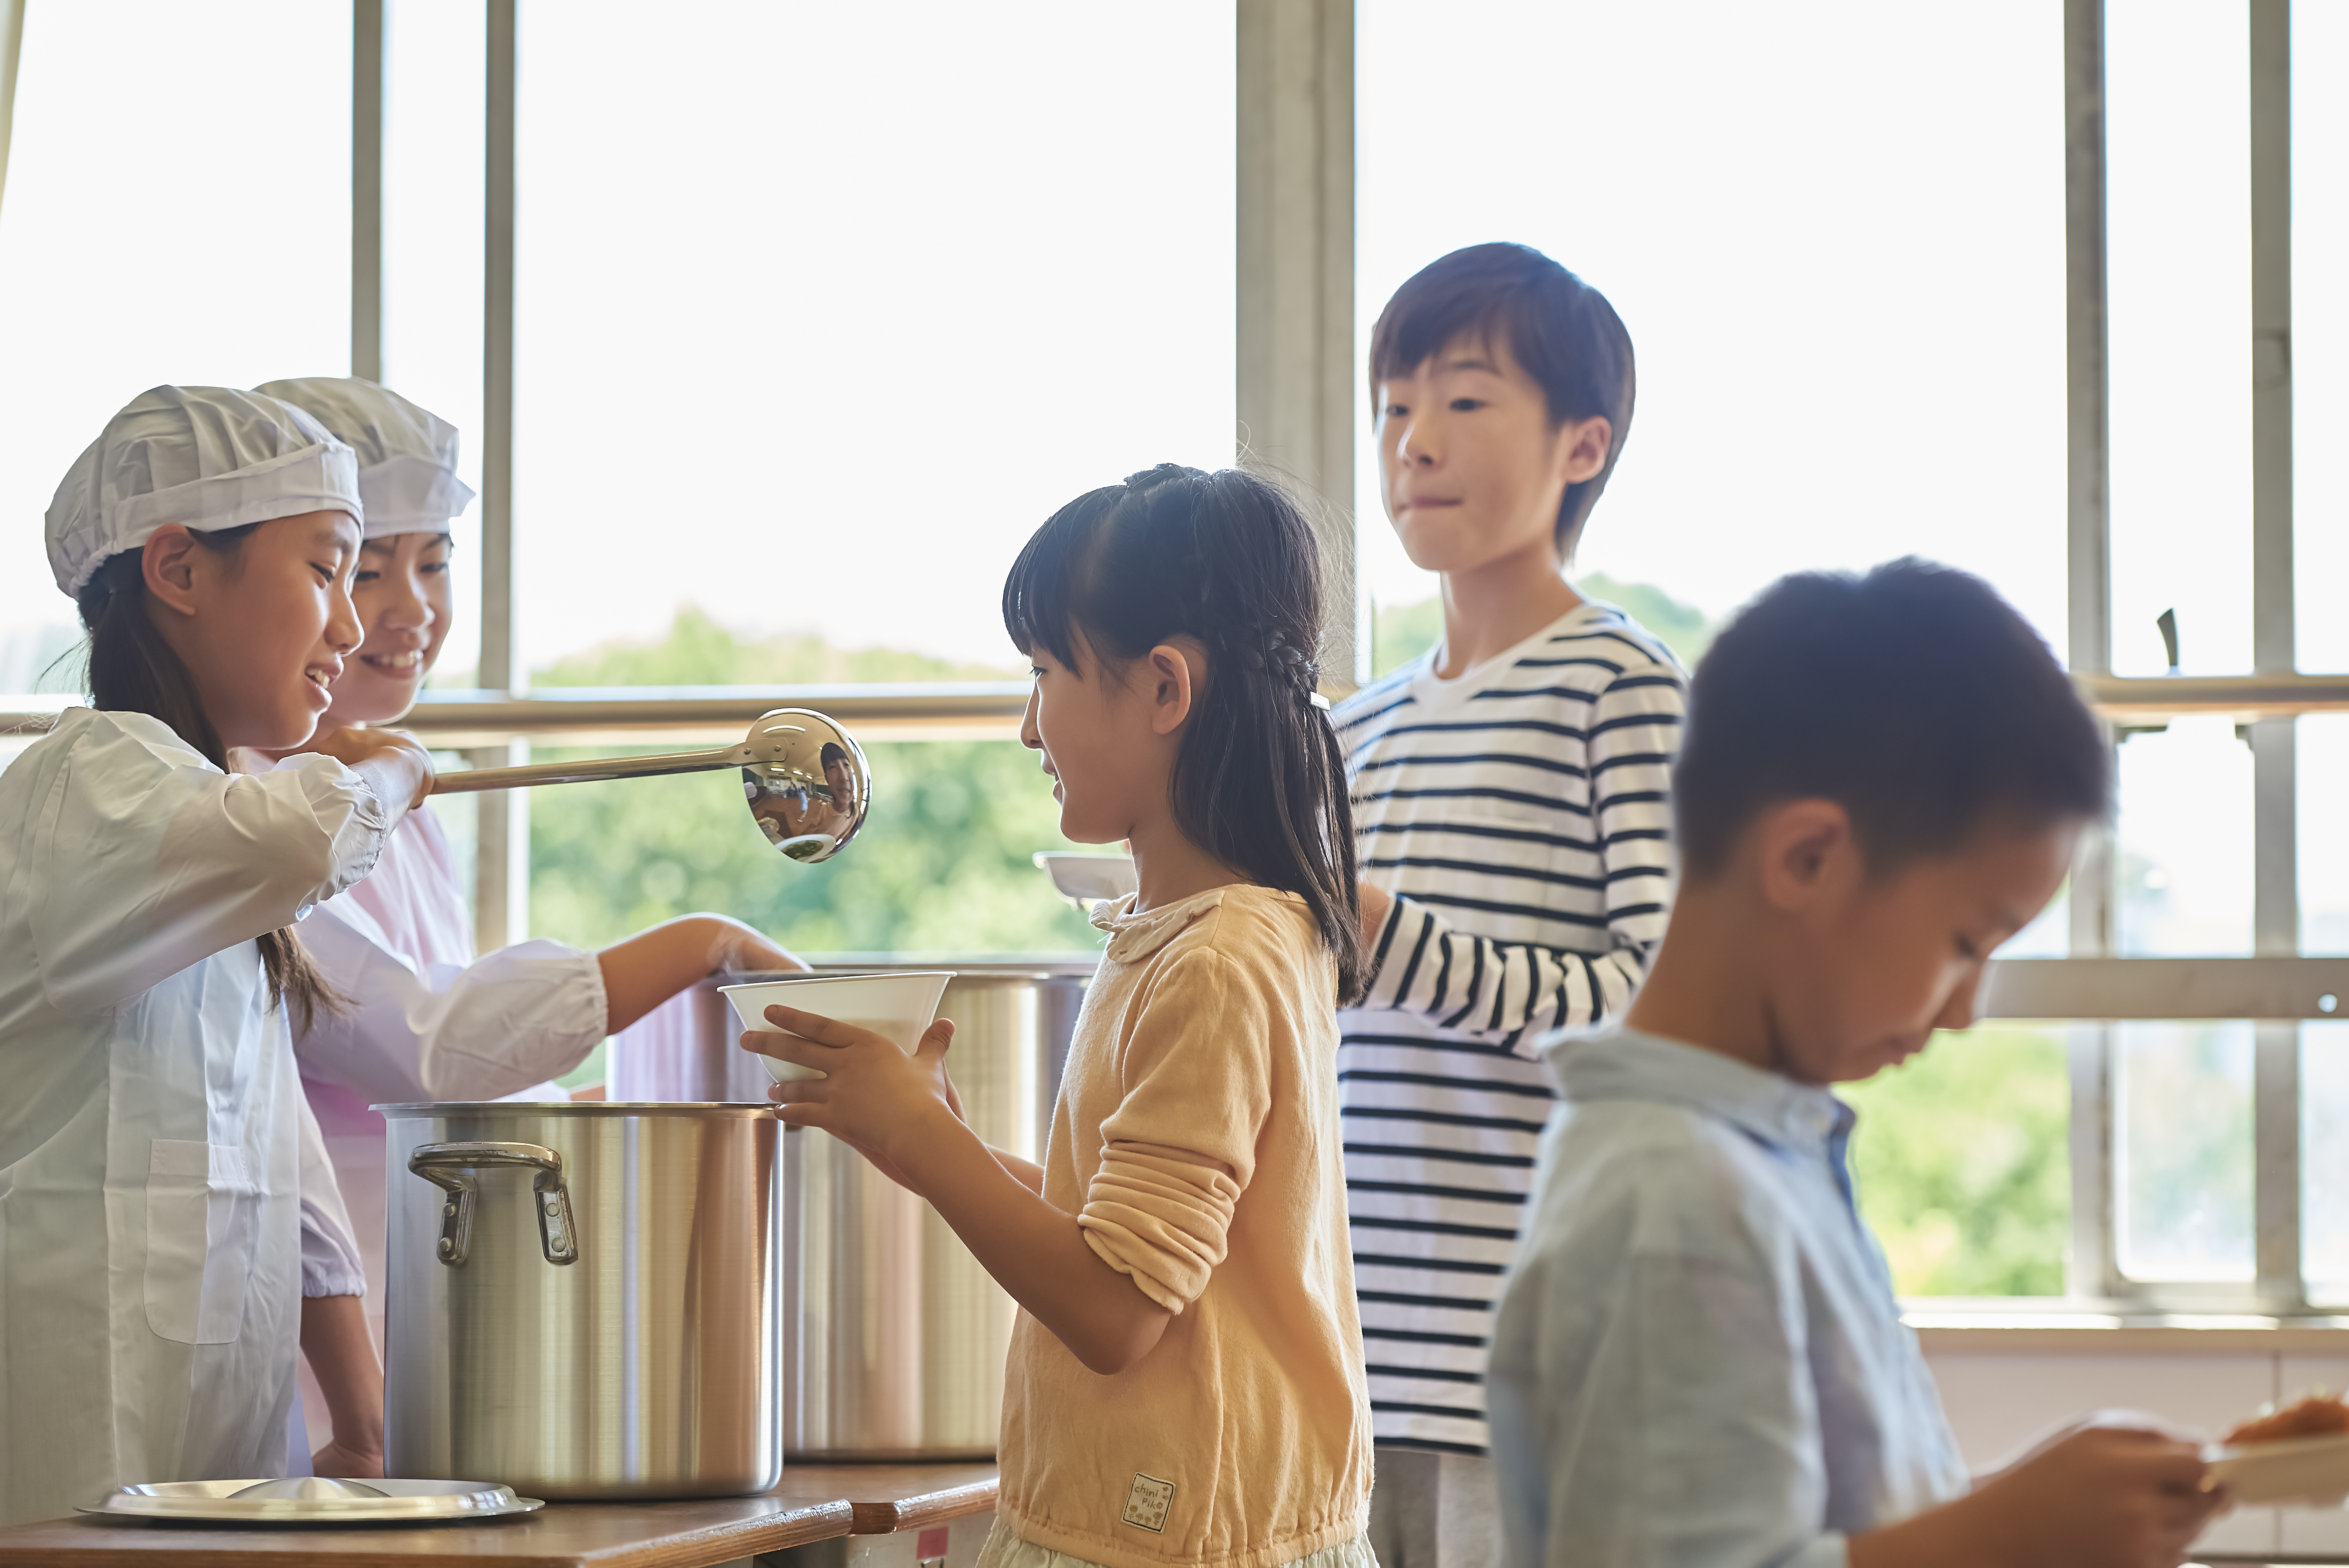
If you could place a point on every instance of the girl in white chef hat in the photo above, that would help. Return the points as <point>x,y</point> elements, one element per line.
<point>428,1020</point>
<point>153,1193</point>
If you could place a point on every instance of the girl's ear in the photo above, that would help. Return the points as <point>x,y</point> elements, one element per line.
<point>1172,678</point>
<point>168,562</point>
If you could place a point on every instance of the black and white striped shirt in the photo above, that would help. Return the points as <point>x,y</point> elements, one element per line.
<point>1521,815</point>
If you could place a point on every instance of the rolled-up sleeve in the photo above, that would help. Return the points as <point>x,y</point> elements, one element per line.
<point>1179,1150</point>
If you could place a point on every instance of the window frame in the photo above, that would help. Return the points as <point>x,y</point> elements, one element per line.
<point>2277,987</point>
<point>1296,373</point>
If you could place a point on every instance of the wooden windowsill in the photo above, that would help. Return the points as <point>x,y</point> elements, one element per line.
<point>2020,1331</point>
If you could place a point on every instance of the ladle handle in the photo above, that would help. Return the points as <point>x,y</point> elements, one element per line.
<point>467,780</point>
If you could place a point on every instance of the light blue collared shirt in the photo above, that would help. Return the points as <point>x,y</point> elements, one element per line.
<point>1698,1361</point>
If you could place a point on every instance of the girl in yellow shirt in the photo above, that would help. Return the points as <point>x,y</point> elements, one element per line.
<point>1186,1380</point>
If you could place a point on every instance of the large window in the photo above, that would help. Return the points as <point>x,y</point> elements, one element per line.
<point>851,304</point>
<point>1852,347</point>
<point>853,300</point>
<point>817,313</point>
<point>126,262</point>
<point>817,316</point>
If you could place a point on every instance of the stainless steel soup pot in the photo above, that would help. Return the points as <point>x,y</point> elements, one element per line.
<point>894,1337</point>
<point>584,1300</point>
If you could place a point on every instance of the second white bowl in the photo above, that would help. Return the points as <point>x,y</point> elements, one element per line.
<point>900,1004</point>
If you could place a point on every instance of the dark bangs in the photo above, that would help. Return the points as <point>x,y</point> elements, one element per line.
<point>1424,317</point>
<point>1044,600</point>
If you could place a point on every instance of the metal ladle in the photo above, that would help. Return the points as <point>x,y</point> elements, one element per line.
<point>804,777</point>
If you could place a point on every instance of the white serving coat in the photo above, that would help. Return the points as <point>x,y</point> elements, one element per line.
<point>151,1225</point>
<point>428,1021</point>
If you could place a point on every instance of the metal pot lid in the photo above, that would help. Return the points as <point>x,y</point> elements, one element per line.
<point>308,1501</point>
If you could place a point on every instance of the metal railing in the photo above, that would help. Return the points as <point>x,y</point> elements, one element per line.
<point>627,715</point>
<point>968,710</point>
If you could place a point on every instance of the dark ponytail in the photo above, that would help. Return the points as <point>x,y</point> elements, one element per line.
<point>1229,559</point>
<point>133,670</point>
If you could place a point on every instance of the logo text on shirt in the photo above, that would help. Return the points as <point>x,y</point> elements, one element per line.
<point>1147,1500</point>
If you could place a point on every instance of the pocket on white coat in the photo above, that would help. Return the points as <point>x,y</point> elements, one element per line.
<point>202,1205</point>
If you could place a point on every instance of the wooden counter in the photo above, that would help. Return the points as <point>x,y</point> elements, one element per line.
<point>814,1502</point>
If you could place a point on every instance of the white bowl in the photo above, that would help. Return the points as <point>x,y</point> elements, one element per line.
<point>900,1004</point>
<point>2313,1470</point>
<point>1085,877</point>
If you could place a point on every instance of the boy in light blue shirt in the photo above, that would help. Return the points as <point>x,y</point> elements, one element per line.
<point>1698,1361</point>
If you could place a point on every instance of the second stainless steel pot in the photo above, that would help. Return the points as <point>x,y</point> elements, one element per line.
<point>893,1335</point>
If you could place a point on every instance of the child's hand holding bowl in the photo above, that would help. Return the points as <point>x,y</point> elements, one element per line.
<point>869,1094</point>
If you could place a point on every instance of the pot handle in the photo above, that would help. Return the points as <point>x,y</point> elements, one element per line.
<point>451,1167</point>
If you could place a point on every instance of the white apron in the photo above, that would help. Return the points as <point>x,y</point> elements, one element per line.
<point>151,1268</point>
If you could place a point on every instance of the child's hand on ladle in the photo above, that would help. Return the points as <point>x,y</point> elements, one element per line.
<point>873,1096</point>
<point>395,765</point>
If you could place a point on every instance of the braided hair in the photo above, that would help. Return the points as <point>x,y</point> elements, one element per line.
<point>1228,559</point>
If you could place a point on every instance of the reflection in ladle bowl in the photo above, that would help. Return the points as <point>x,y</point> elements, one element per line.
<point>809,795</point>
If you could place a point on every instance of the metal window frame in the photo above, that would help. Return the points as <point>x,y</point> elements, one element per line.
<point>973,710</point>
<point>1295,403</point>
<point>366,189</point>
<point>2266,705</point>
<point>502,842</point>
<point>1295,392</point>
<point>2089,1268</point>
<point>502,862</point>
<point>1294,263</point>
<point>2275,823</point>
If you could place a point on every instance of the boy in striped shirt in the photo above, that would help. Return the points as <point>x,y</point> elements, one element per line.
<point>1510,797</point>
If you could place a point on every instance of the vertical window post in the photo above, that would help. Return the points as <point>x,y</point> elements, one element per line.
<point>501,866</point>
<point>2090,1271</point>
<point>366,189</point>
<point>1300,396</point>
<point>2275,1092</point>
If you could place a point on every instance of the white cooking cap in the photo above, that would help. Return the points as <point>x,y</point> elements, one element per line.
<point>207,458</point>
<point>408,457</point>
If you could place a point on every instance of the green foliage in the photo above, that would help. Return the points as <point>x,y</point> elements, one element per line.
<point>1962,1160</point>
<point>1684,628</point>
<point>1960,1157</point>
<point>942,862</point>
<point>697,651</point>
<point>1400,632</point>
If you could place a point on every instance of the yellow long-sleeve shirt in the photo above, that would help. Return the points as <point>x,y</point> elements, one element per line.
<point>1197,1140</point>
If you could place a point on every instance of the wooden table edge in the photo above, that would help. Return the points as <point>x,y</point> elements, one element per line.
<point>826,1521</point>
<point>929,1507</point>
